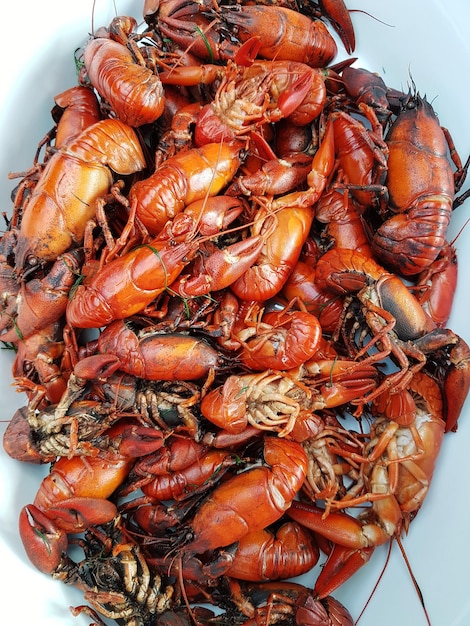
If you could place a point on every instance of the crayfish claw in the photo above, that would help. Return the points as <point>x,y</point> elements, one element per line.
<point>43,541</point>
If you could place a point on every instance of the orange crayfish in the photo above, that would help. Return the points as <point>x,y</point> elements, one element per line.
<point>421,188</point>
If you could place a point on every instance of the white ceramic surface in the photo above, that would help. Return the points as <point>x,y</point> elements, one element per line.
<point>427,39</point>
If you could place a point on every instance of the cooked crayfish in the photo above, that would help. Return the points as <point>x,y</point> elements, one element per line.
<point>148,270</point>
<point>421,188</point>
<point>120,76</point>
<point>399,324</point>
<point>75,177</point>
<point>230,220</point>
<point>397,466</point>
<point>279,401</point>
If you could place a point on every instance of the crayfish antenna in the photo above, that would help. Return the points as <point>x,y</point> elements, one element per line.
<point>415,582</point>
<point>412,576</point>
<point>377,582</point>
<point>93,8</point>
<point>183,591</point>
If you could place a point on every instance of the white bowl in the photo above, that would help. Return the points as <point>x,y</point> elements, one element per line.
<point>425,39</point>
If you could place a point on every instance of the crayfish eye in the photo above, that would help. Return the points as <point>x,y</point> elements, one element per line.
<point>32,260</point>
<point>31,265</point>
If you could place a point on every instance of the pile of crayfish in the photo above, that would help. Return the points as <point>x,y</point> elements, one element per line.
<point>227,280</point>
